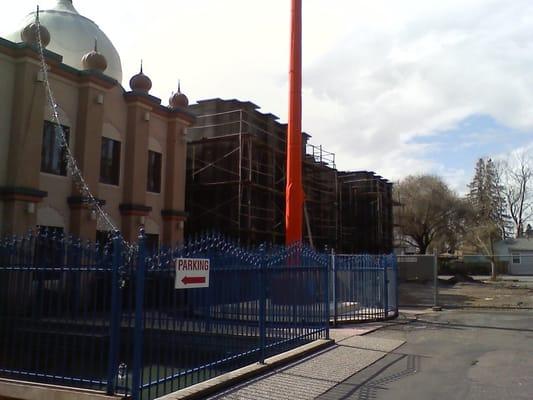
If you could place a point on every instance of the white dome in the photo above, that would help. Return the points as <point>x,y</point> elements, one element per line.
<point>72,36</point>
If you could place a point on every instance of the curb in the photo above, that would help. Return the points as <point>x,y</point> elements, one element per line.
<point>471,307</point>
<point>13,389</point>
<point>203,389</point>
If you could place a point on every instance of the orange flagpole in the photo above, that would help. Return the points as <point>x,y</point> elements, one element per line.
<point>294,192</point>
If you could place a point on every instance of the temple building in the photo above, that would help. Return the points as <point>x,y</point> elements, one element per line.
<point>129,147</point>
<point>214,165</point>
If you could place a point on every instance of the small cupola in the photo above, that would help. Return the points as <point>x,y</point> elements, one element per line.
<point>30,33</point>
<point>178,99</point>
<point>94,60</point>
<point>140,82</point>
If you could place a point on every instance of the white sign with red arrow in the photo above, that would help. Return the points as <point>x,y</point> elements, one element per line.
<point>192,273</point>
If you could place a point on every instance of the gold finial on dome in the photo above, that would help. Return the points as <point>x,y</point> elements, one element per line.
<point>178,99</point>
<point>94,60</point>
<point>30,33</point>
<point>140,82</point>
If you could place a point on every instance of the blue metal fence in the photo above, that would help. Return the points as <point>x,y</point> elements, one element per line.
<point>109,318</point>
<point>364,288</point>
<point>55,310</point>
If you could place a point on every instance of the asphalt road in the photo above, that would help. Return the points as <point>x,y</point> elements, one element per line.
<point>474,355</point>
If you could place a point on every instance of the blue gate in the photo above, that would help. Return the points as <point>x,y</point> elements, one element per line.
<point>364,288</point>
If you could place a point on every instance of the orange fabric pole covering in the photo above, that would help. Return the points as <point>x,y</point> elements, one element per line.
<point>294,192</point>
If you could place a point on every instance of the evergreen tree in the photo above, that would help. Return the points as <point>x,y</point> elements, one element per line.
<point>476,195</point>
<point>487,199</point>
<point>489,222</point>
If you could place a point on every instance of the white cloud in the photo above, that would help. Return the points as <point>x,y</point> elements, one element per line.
<point>444,63</point>
<point>376,74</point>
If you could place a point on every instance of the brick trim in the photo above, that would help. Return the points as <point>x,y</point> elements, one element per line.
<point>22,194</point>
<point>134,209</point>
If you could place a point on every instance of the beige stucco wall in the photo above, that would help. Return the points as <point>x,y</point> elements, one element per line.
<point>54,210</point>
<point>115,114</point>
<point>113,197</point>
<point>49,215</point>
<point>152,227</point>
<point>110,193</point>
<point>7,82</point>
<point>66,96</point>
<point>157,142</point>
<point>59,187</point>
<point>115,110</point>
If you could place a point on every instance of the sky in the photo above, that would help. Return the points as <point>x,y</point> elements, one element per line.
<point>398,87</point>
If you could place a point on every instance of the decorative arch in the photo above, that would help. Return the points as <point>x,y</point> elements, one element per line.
<point>48,216</point>
<point>109,131</point>
<point>151,227</point>
<point>101,225</point>
<point>63,117</point>
<point>154,145</point>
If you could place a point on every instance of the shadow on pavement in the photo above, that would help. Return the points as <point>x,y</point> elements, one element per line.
<point>365,384</point>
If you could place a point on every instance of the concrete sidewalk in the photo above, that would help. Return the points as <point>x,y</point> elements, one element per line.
<point>317,373</point>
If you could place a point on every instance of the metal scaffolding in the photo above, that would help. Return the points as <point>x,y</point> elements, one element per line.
<point>236,176</point>
<point>236,159</point>
<point>365,213</point>
<point>320,187</point>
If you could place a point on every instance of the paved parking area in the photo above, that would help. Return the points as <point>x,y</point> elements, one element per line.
<point>453,355</point>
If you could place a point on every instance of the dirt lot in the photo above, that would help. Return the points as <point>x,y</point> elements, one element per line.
<point>478,293</point>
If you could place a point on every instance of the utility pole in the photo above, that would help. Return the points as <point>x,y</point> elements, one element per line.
<point>294,191</point>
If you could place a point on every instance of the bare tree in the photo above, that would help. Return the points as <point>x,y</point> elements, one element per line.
<point>427,212</point>
<point>517,175</point>
<point>482,236</point>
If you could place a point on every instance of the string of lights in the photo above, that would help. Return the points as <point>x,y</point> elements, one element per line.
<point>72,165</point>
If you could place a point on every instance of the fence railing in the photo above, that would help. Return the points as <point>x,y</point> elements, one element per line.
<point>110,317</point>
<point>364,287</point>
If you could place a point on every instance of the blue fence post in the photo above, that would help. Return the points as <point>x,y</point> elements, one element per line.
<point>396,286</point>
<point>326,294</point>
<point>139,328</point>
<point>334,277</point>
<point>210,295</point>
<point>262,304</point>
<point>77,263</point>
<point>385,287</point>
<point>114,323</point>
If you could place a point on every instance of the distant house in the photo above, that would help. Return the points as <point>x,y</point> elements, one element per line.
<point>518,253</point>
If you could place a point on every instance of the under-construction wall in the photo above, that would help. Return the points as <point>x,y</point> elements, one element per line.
<point>365,208</point>
<point>235,172</point>
<point>236,176</point>
<point>319,177</point>
<point>236,159</point>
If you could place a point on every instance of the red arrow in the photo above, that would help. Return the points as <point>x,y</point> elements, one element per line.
<point>193,279</point>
